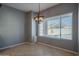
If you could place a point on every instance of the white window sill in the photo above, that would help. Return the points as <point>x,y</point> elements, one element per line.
<point>54,38</point>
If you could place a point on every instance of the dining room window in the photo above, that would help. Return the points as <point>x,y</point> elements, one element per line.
<point>57,27</point>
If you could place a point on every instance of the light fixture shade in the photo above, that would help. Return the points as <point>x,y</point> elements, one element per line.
<point>39,19</point>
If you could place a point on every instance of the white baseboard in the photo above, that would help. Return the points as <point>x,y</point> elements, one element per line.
<point>13,45</point>
<point>58,48</point>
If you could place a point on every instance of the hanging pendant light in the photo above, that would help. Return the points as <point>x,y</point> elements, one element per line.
<point>39,18</point>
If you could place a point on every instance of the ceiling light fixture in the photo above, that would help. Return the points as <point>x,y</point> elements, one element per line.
<point>39,18</point>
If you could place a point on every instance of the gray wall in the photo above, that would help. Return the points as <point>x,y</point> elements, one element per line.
<point>11,26</point>
<point>59,10</point>
<point>31,26</point>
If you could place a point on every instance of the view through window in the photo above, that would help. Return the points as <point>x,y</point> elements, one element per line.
<point>57,27</point>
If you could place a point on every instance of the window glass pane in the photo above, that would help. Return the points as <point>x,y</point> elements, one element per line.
<point>66,27</point>
<point>53,27</point>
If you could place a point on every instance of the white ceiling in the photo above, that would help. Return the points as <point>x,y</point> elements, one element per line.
<point>31,6</point>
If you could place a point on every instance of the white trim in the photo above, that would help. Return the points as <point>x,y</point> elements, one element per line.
<point>69,51</point>
<point>13,45</point>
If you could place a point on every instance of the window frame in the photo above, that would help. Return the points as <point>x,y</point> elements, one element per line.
<point>67,14</point>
